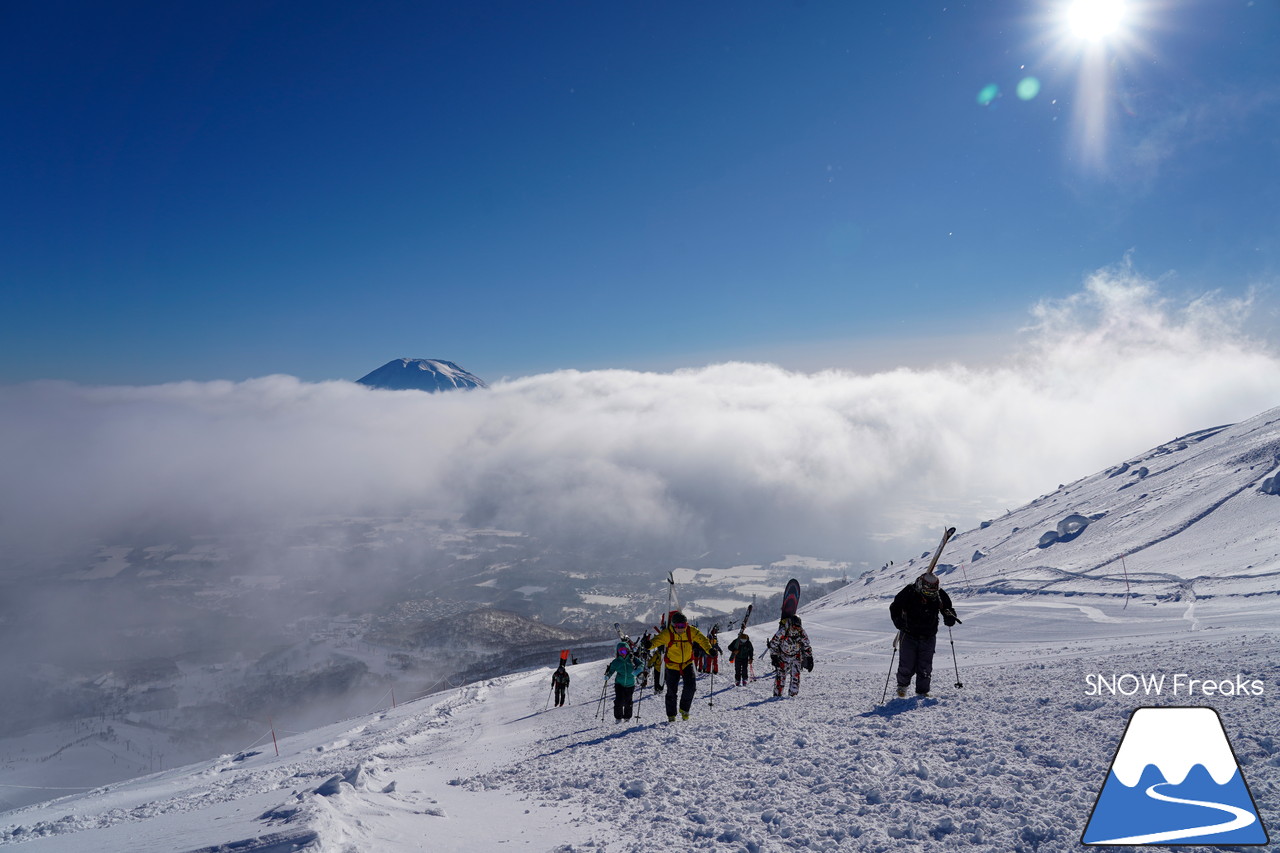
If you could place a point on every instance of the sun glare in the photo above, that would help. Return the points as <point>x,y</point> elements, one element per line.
<point>1095,20</point>
<point>1094,40</point>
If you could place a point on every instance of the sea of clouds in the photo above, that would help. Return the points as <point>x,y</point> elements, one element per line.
<point>737,455</point>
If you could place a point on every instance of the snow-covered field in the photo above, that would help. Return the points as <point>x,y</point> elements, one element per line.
<point>1171,582</point>
<point>1013,760</point>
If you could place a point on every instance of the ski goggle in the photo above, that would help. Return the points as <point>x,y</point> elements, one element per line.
<point>622,652</point>
<point>679,626</point>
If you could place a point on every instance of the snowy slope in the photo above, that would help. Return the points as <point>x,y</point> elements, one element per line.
<point>1011,760</point>
<point>1192,518</point>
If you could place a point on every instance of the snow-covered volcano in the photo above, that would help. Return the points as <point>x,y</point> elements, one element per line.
<point>1163,565</point>
<point>420,374</point>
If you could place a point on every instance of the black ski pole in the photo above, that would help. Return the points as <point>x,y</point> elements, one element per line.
<point>953,656</point>
<point>553,690</point>
<point>896,637</point>
<point>603,690</point>
<point>711,701</point>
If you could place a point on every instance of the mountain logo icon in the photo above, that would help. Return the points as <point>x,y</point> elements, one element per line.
<point>1175,780</point>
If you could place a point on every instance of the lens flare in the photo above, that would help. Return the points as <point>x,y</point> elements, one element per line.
<point>1028,88</point>
<point>988,94</point>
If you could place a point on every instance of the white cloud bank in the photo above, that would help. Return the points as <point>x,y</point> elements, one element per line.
<point>745,456</point>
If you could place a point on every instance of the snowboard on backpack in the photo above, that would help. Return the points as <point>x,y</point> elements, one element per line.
<point>790,599</point>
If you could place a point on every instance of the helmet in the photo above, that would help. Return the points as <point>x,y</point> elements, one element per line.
<point>677,618</point>
<point>622,649</point>
<point>928,584</point>
<point>794,621</point>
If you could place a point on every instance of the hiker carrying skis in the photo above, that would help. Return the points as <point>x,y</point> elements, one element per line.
<point>714,654</point>
<point>560,680</point>
<point>623,668</point>
<point>741,653</point>
<point>789,650</point>
<point>680,639</point>
<point>915,613</point>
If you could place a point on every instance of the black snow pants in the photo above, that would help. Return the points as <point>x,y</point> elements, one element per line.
<point>915,657</point>
<point>560,689</point>
<point>622,698</point>
<point>741,665</point>
<point>674,678</point>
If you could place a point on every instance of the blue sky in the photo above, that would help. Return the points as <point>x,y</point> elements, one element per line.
<point>230,190</point>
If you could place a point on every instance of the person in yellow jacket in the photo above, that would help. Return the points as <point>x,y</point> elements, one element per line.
<point>679,638</point>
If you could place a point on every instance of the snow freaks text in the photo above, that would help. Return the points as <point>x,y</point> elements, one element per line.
<point>1179,684</point>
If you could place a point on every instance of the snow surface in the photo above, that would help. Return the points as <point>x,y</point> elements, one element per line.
<point>1011,761</point>
<point>1176,573</point>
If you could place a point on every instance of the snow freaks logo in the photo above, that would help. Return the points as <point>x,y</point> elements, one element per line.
<point>1175,780</point>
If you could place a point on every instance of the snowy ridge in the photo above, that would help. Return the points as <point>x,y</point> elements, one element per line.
<point>1174,741</point>
<point>1186,520</point>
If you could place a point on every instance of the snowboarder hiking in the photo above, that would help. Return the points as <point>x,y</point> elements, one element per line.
<point>623,669</point>
<point>789,650</point>
<point>680,638</point>
<point>560,681</point>
<point>915,611</point>
<point>741,652</point>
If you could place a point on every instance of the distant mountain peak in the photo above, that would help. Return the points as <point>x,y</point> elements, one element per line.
<point>421,374</point>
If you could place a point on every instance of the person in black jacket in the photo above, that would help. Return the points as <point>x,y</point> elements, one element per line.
<point>560,680</point>
<point>915,613</point>
<point>742,652</point>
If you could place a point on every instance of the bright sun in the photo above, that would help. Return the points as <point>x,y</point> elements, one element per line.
<point>1095,20</point>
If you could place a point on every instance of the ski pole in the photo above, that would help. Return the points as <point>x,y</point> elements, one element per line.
<point>711,700</point>
<point>603,690</point>
<point>889,675</point>
<point>953,656</point>
<point>553,690</point>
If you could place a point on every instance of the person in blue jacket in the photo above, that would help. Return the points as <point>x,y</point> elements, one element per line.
<point>623,669</point>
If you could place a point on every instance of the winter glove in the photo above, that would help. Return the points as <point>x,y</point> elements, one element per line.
<point>949,618</point>
<point>808,663</point>
<point>900,625</point>
<point>776,661</point>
